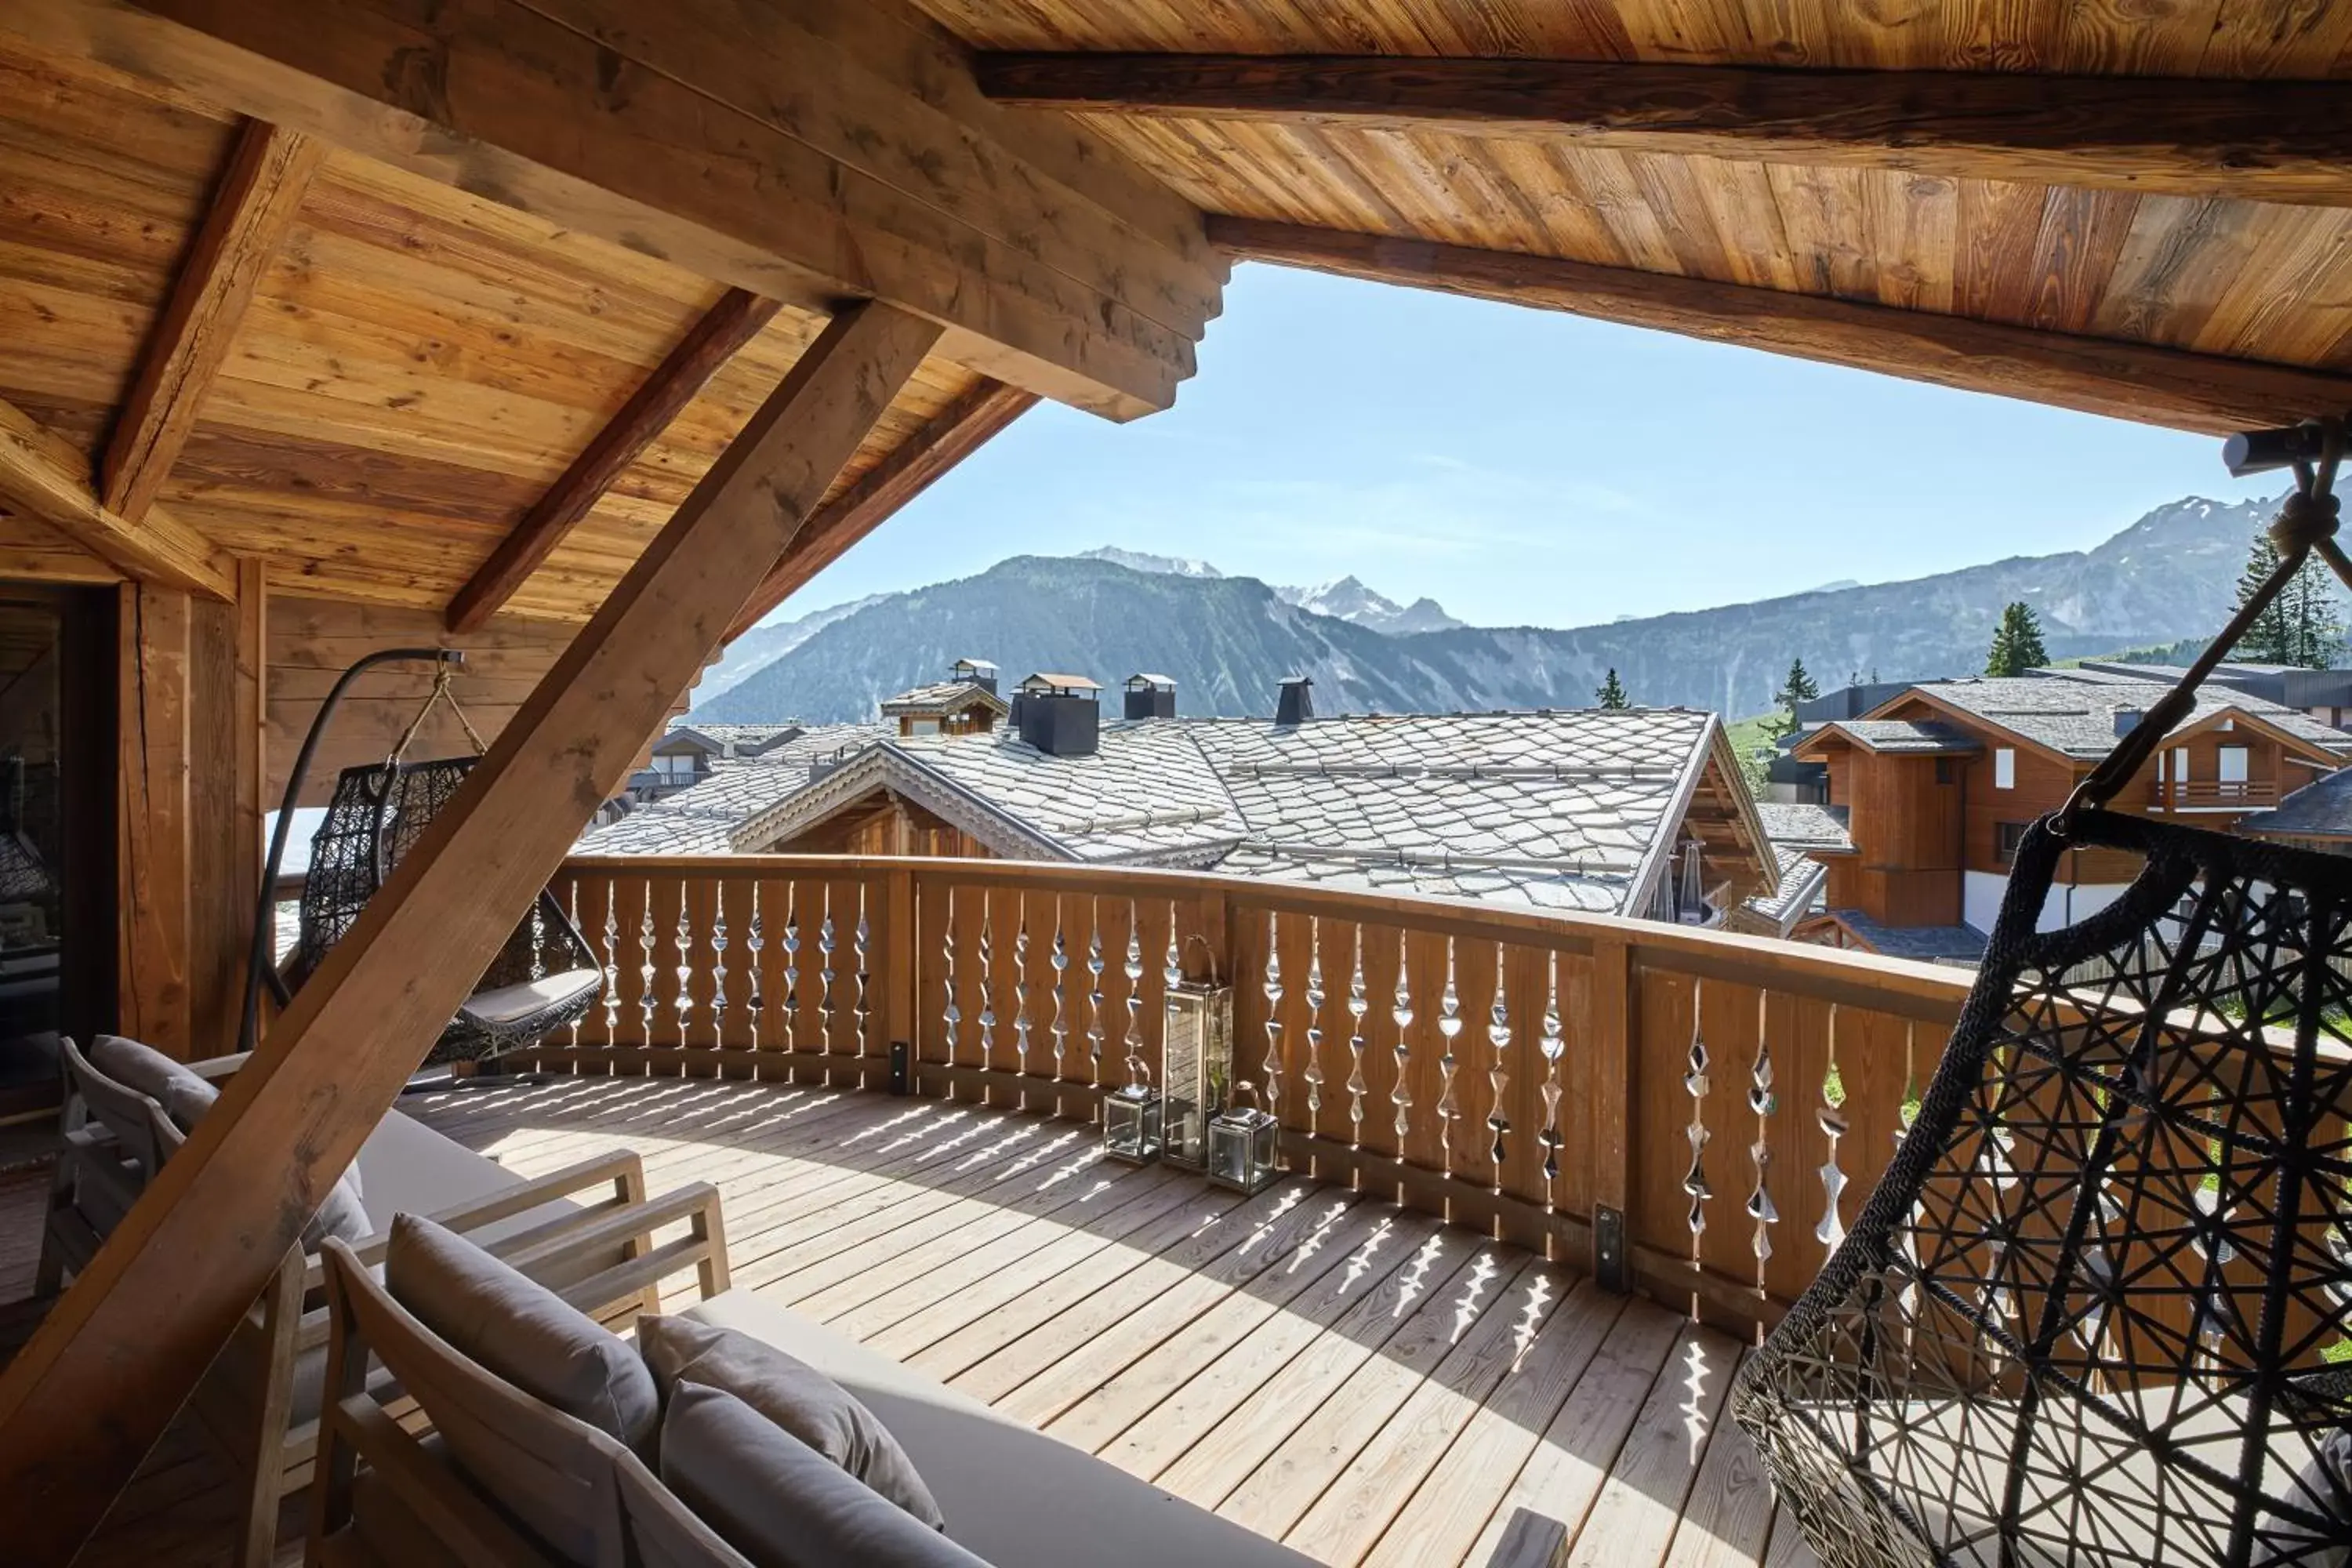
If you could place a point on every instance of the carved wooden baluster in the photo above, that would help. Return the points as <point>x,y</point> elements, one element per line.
<point>1359,1005</point>
<point>952,1015</point>
<point>1138,1071</point>
<point>1554,1047</point>
<point>1694,1084</point>
<point>1401,1013</point>
<point>755,944</point>
<point>1761,1100</point>
<point>1449,1030</point>
<point>1829,1116</point>
<point>1312,1074</point>
<point>1021,986</point>
<point>1094,966</point>
<point>1272,1069</point>
<point>684,980</point>
<point>610,958</point>
<point>827,941</point>
<point>1059,1030</point>
<point>1498,1069</point>
<point>648,971</point>
<point>721,892</point>
<point>986,950</point>
<point>792,1041</point>
<point>863,952</point>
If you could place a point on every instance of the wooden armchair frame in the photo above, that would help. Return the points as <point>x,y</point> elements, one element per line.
<point>357,1423</point>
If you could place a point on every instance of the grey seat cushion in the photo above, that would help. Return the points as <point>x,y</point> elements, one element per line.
<point>1011,1494</point>
<point>519,1329</point>
<point>805,1403</point>
<point>781,1504</point>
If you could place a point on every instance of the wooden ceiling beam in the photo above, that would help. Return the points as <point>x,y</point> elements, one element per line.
<point>954,433</point>
<point>88,1394</point>
<point>2210,394</point>
<point>808,151</point>
<point>260,191</point>
<point>709,344</point>
<point>45,476</point>
<point>2259,141</point>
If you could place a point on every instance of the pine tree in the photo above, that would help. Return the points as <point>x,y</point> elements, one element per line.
<point>1611,694</point>
<point>2303,625</point>
<point>2017,645</point>
<point>1799,687</point>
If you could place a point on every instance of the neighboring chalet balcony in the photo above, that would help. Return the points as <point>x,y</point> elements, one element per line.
<point>2209,795</point>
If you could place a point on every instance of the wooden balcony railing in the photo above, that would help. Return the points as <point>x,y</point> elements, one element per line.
<point>1715,1106</point>
<point>2175,795</point>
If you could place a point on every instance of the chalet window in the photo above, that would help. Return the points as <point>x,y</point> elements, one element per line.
<point>2179,764</point>
<point>676,767</point>
<point>2007,837</point>
<point>2232,764</point>
<point>2004,768</point>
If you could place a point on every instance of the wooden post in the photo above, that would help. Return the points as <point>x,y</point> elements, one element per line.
<point>1616,1019</point>
<point>154,889</point>
<point>87,1396</point>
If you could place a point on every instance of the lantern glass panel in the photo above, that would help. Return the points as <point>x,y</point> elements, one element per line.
<point>1241,1150</point>
<point>1131,1125</point>
<point>1196,1060</point>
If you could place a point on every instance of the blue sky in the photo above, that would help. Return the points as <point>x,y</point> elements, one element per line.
<point>1524,468</point>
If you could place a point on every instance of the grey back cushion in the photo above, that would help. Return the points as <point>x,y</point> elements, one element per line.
<point>520,1330</point>
<point>185,1095</point>
<point>824,1415</point>
<point>777,1500</point>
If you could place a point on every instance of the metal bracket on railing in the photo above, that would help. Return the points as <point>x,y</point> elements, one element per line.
<point>1609,1265</point>
<point>902,1078</point>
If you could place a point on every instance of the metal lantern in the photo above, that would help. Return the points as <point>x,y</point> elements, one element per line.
<point>1196,1062</point>
<point>1241,1148</point>
<point>1131,1125</point>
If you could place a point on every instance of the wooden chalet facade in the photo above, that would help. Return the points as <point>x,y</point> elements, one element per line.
<point>1939,784</point>
<point>578,337</point>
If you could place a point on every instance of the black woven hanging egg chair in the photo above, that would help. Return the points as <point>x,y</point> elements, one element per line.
<point>2094,1310</point>
<point>545,978</point>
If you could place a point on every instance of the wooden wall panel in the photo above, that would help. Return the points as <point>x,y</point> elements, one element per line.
<point>313,640</point>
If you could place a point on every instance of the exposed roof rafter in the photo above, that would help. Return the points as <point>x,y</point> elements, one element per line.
<point>708,345</point>
<point>2268,141</point>
<point>2210,394</point>
<point>43,476</point>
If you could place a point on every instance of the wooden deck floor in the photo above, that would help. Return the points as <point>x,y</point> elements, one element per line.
<point>1362,1381</point>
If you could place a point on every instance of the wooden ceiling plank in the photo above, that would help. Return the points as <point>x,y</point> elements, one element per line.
<point>502,99</point>
<point>86,1396</point>
<point>2274,141</point>
<point>959,430</point>
<point>2204,393</point>
<point>44,476</point>
<point>269,168</point>
<point>710,342</point>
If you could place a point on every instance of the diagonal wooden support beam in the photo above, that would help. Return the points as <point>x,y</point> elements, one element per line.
<point>954,433</point>
<point>95,1385</point>
<point>2255,141</point>
<point>254,206</point>
<point>44,476</point>
<point>709,344</point>
<point>2205,393</point>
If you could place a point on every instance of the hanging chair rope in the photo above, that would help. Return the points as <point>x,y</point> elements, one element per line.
<point>441,692</point>
<point>2305,525</point>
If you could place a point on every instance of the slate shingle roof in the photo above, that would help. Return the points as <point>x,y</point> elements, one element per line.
<point>1802,880</point>
<point>1909,737</point>
<point>1803,827</point>
<point>2318,810</point>
<point>1930,945</point>
<point>940,697</point>
<point>700,818</point>
<point>1561,810</point>
<point>2076,717</point>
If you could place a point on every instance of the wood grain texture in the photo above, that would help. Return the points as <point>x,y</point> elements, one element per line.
<point>95,1385</point>
<point>269,169</point>
<point>710,342</point>
<point>42,475</point>
<point>658,155</point>
<point>2099,376</point>
<point>2279,142</point>
<point>154,890</point>
<point>911,468</point>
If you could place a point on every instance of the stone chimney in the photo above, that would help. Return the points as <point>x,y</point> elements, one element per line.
<point>1150,696</point>
<point>1296,704</point>
<point>1061,715</point>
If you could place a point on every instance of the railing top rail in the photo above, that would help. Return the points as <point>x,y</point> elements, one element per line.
<point>1857,979</point>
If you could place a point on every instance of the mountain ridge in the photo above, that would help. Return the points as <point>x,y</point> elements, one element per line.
<point>1227,640</point>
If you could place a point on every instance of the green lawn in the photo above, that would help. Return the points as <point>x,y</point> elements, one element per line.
<point>1749,736</point>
